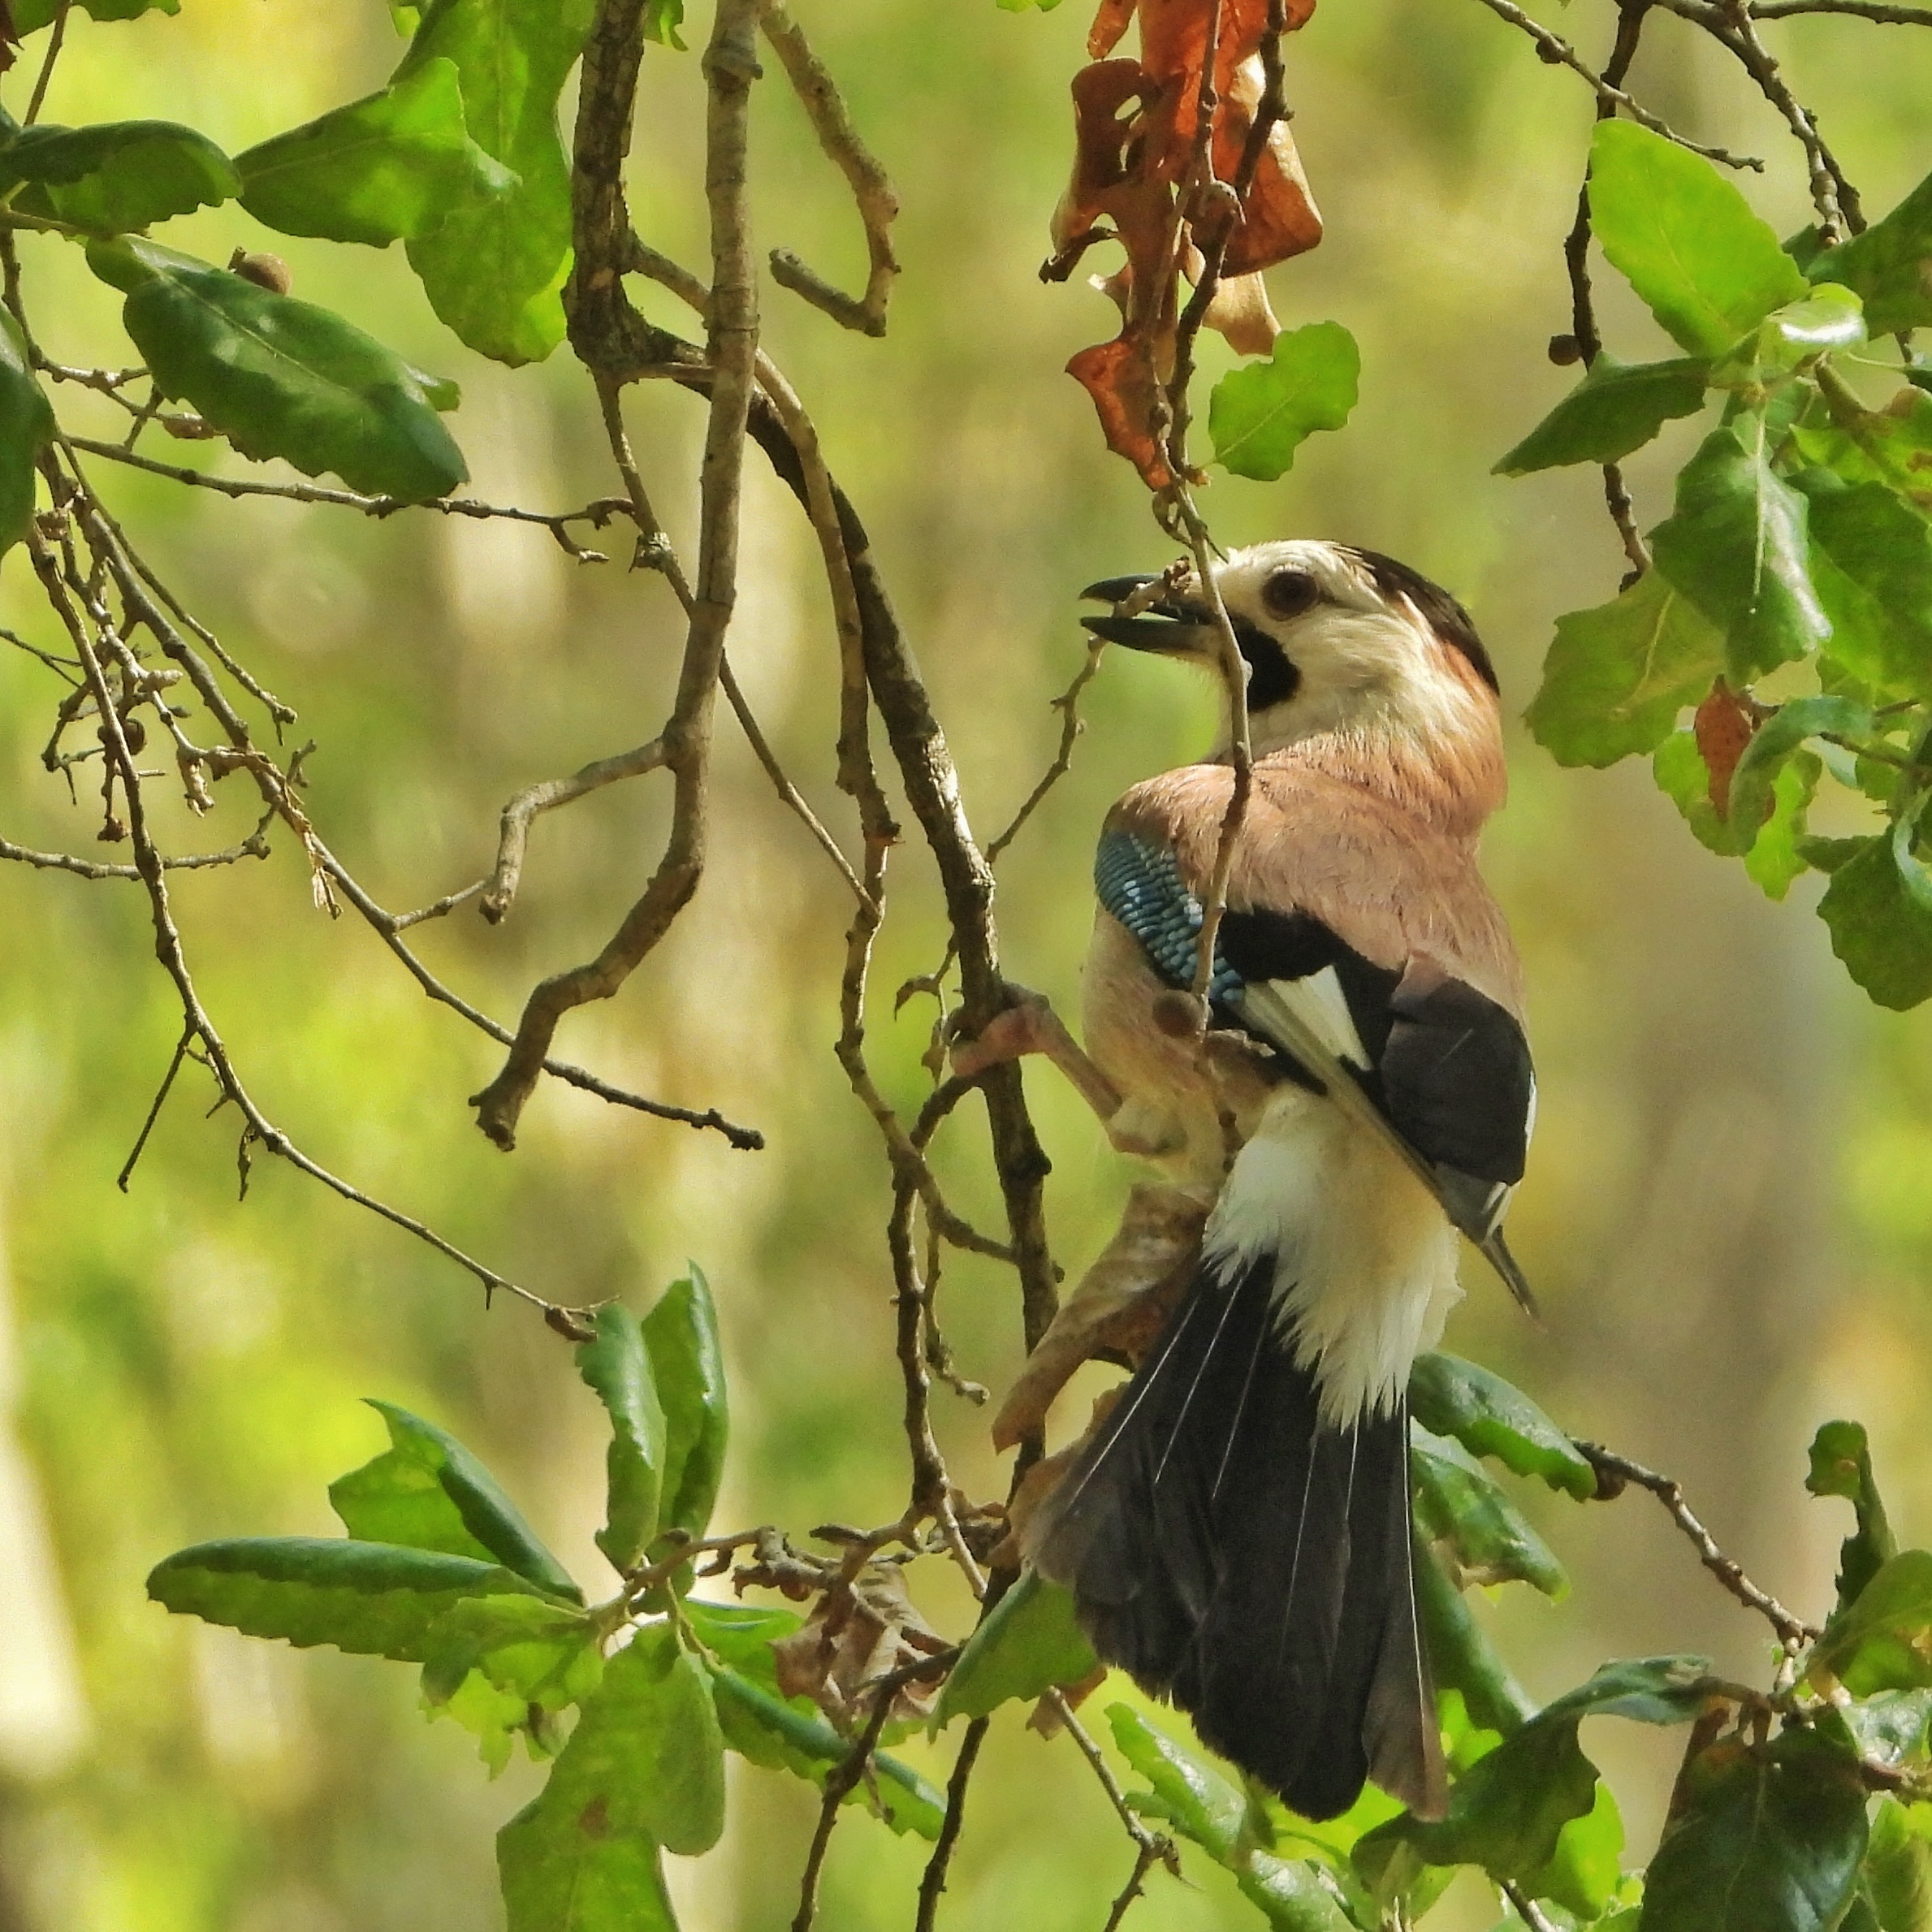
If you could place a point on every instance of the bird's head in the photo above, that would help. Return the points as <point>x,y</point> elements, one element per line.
<point>1335,640</point>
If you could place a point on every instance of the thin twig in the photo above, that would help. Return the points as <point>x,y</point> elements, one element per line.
<point>932,1881</point>
<point>1864,10</point>
<point>871,192</point>
<point>181,1046</point>
<point>730,66</point>
<point>54,43</point>
<point>1558,52</point>
<point>597,514</point>
<point>1146,1857</point>
<point>255,845</point>
<point>1527,1908</point>
<point>1071,725</point>
<point>1615,1470</point>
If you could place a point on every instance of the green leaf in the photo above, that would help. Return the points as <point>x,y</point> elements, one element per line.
<point>1199,1803</point>
<point>1883,1641</point>
<point>1777,855</point>
<point>1489,1418</point>
<point>495,269</point>
<point>501,1665</point>
<point>1462,1658</point>
<point>1841,1465</point>
<point>741,1634</point>
<point>1030,1643</point>
<point>1892,446</point>
<point>648,1743</point>
<point>617,1366</point>
<point>575,1874</point>
<point>1477,1531</point>
<point>1883,549</point>
<point>374,1599</point>
<point>687,1366</point>
<point>29,15</point>
<point>1879,929</point>
<point>1774,741</point>
<point>1508,1810</point>
<point>26,428</point>
<point>1586,1870</point>
<point>280,377</point>
<point>663,18</point>
<point>1617,675</point>
<point>1897,1878</point>
<point>762,1726</point>
<point>1891,1728</point>
<point>1617,407</point>
<point>119,174</point>
<point>1683,777</point>
<point>387,168</point>
<point>1890,265</point>
<point>1788,338</point>
<point>1685,238</point>
<point>1737,547</point>
<point>1261,414</point>
<point>429,1492</point>
<point>1760,1840</point>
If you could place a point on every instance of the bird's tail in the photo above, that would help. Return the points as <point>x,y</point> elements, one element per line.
<point>1251,1561</point>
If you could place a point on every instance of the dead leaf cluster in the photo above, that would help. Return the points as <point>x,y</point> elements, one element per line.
<point>864,1628</point>
<point>1144,162</point>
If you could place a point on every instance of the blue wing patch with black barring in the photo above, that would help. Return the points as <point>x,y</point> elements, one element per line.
<point>1139,882</point>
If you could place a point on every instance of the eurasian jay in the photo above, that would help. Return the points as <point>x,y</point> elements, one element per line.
<point>1236,1533</point>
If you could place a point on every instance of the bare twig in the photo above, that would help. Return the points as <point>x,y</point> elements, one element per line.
<point>1558,52</point>
<point>597,514</point>
<point>932,1882</point>
<point>1071,725</point>
<point>513,838</point>
<point>730,66</point>
<point>1527,1908</point>
<point>1615,1470</point>
<point>255,845</point>
<point>55,42</point>
<point>878,205</point>
<point>183,1047</point>
<point>1864,10</point>
<point>1146,1857</point>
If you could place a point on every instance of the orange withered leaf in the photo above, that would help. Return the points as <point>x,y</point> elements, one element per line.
<point>1723,725</point>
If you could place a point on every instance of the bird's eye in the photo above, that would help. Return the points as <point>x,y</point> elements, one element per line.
<point>1288,593</point>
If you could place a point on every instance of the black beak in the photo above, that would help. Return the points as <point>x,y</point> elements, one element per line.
<point>1172,624</point>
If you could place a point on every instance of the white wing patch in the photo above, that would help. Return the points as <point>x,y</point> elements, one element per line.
<point>1321,1006</point>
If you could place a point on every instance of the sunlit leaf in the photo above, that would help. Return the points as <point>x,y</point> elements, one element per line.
<point>663,18</point>
<point>1030,1642</point>
<point>283,377</point>
<point>1617,407</point>
<point>1737,547</point>
<point>1884,550</point>
<point>687,1368</point>
<point>29,14</point>
<point>1190,1794</point>
<point>618,1365</point>
<point>1760,1840</point>
<point>391,167</point>
<point>1896,1878</point>
<point>1829,317</point>
<point>26,428</point>
<point>1617,677</point>
<point>1260,414</point>
<point>1686,238</point>
<point>561,1874</point>
<point>495,270</point>
<point>1890,265</point>
<point>1489,1418</point>
<point>1462,1658</point>
<point>119,174</point>
<point>372,1598</point>
<point>500,1665</point>
<point>1477,1532</point>
<point>429,1492</point>
<point>1777,856</point>
<point>1883,1641</point>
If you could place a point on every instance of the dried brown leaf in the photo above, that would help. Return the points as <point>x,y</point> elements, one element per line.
<point>863,1630</point>
<point>1724,724</point>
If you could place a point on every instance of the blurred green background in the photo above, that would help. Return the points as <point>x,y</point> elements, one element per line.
<point>1729,1213</point>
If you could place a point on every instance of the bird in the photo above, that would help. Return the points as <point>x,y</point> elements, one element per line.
<point>1236,1531</point>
